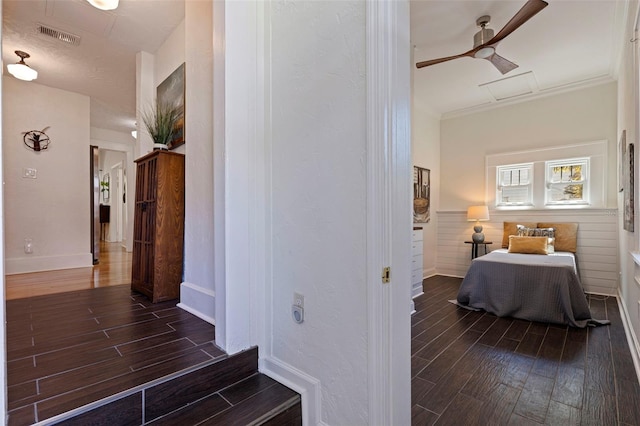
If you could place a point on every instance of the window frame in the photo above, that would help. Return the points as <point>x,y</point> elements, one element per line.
<point>584,162</point>
<point>500,170</point>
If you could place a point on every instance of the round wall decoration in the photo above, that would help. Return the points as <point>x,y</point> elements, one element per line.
<point>37,140</point>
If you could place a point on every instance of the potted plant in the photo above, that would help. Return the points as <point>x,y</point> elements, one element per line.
<point>160,122</point>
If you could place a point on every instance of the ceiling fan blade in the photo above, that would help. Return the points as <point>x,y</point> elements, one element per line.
<point>528,11</point>
<point>445,59</point>
<point>503,65</point>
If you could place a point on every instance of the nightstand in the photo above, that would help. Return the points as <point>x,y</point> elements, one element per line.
<point>474,247</point>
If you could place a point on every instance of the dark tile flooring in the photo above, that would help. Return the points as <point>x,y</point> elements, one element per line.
<point>144,363</point>
<point>473,368</point>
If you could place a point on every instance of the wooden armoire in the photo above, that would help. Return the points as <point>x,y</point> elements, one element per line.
<point>158,227</point>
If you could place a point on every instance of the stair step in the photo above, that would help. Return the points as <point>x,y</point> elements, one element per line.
<point>227,391</point>
<point>252,401</point>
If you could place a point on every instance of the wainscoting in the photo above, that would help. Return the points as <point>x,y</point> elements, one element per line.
<point>597,242</point>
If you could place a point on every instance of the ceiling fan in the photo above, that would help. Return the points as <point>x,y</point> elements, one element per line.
<point>484,42</point>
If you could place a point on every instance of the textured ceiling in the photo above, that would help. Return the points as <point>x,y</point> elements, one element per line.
<point>103,65</point>
<point>568,44</point>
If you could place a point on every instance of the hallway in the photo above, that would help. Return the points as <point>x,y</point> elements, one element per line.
<point>114,269</point>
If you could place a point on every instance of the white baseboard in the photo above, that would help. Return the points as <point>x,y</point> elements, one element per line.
<point>632,340</point>
<point>426,273</point>
<point>307,386</point>
<point>198,301</point>
<point>417,290</point>
<point>23,265</point>
<point>449,275</point>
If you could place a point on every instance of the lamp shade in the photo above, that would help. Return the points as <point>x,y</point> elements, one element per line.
<point>478,213</point>
<point>104,4</point>
<point>22,71</point>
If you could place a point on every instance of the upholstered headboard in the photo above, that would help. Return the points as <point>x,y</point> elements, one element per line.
<point>566,233</point>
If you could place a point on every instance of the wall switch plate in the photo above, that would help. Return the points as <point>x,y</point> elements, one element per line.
<point>29,173</point>
<point>298,314</point>
<point>298,300</point>
<point>28,245</point>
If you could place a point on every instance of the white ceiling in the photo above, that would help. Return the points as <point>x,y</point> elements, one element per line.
<point>570,43</point>
<point>103,65</point>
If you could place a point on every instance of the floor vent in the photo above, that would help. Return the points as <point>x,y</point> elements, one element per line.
<point>57,34</point>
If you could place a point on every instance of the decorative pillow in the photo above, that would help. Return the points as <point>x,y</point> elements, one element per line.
<point>510,228</point>
<point>528,245</point>
<point>566,235</point>
<point>523,231</point>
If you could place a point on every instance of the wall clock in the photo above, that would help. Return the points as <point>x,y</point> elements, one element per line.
<point>37,140</point>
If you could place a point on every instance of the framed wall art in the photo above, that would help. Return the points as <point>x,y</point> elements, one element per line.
<point>421,195</point>
<point>172,90</point>
<point>629,213</point>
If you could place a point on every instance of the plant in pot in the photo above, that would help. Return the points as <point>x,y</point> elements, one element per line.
<point>160,122</point>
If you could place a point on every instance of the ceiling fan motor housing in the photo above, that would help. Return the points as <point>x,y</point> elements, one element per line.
<point>482,36</point>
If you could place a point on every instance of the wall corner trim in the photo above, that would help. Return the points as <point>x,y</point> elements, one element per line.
<point>198,301</point>
<point>634,345</point>
<point>307,386</point>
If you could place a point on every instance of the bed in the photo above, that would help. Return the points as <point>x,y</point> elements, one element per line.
<point>535,287</point>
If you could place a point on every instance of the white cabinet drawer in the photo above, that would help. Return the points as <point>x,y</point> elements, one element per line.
<point>416,248</point>
<point>417,235</point>
<point>416,262</point>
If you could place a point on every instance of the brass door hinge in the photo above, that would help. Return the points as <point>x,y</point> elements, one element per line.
<point>386,274</point>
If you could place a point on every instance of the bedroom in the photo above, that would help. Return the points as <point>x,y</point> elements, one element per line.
<point>595,112</point>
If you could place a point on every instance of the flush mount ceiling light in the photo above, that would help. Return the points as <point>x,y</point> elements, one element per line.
<point>104,4</point>
<point>21,70</point>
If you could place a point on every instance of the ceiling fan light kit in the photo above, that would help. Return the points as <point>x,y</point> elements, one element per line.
<point>21,70</point>
<point>484,41</point>
<point>104,4</point>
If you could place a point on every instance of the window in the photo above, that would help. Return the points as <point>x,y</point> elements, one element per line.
<point>514,185</point>
<point>567,182</point>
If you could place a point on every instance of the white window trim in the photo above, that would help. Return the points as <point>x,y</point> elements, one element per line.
<point>586,170</point>
<point>529,186</point>
<point>596,151</point>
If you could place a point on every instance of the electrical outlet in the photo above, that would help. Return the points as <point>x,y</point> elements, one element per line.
<point>298,300</point>
<point>30,173</point>
<point>28,245</point>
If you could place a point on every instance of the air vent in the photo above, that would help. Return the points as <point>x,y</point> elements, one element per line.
<point>57,34</point>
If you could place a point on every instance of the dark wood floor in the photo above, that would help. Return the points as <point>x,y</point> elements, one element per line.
<point>472,368</point>
<point>68,349</point>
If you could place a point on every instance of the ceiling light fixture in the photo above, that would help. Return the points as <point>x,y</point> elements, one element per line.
<point>21,70</point>
<point>485,52</point>
<point>104,4</point>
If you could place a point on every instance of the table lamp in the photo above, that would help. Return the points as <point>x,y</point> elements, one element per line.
<point>477,213</point>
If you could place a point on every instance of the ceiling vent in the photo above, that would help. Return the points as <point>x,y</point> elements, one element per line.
<point>58,35</point>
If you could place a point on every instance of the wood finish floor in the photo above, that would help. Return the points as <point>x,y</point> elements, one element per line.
<point>114,269</point>
<point>77,336</point>
<point>473,368</point>
<point>68,349</point>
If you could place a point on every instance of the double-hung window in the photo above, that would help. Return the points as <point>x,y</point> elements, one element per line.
<point>567,182</point>
<point>515,186</point>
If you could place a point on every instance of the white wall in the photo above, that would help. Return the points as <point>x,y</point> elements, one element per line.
<point>628,120</point>
<point>425,146</point>
<point>192,43</point>
<point>579,116</point>
<point>53,209</point>
<point>318,199</point>
<point>197,291</point>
